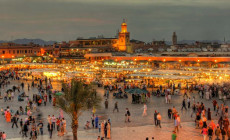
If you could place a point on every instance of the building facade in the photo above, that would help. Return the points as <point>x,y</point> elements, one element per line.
<point>13,50</point>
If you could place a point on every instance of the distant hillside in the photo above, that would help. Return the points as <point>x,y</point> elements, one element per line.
<point>27,41</point>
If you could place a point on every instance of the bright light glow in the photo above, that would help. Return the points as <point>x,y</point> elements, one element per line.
<point>50,74</point>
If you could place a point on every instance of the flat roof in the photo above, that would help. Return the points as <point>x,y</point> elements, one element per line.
<point>98,54</point>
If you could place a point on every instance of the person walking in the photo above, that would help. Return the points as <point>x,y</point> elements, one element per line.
<point>64,125</point>
<point>106,104</point>
<point>21,126</point>
<point>50,98</point>
<point>217,132</point>
<point>33,134</point>
<point>92,120</point>
<point>226,124</point>
<point>183,105</point>
<point>145,110</point>
<point>14,121</point>
<point>193,109</point>
<point>170,113</point>
<point>50,129</point>
<point>217,109</point>
<point>210,132</point>
<point>3,136</point>
<point>105,128</point>
<point>127,115</point>
<point>185,94</point>
<point>53,120</point>
<point>155,118</point>
<point>209,114</point>
<point>223,133</point>
<point>102,129</point>
<point>108,130</point>
<point>96,121</point>
<point>116,107</point>
<point>214,102</point>
<point>188,101</point>
<point>40,126</point>
<point>179,121</point>
<point>25,130</point>
<point>159,119</point>
<point>204,132</point>
<point>176,124</point>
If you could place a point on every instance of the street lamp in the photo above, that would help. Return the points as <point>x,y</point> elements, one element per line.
<point>3,59</point>
<point>180,63</point>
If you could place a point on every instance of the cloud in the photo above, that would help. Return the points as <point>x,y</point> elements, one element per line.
<point>147,19</point>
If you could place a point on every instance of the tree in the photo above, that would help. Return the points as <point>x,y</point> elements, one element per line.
<point>77,98</point>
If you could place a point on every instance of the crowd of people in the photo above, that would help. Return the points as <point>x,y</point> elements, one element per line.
<point>30,119</point>
<point>203,116</point>
<point>32,123</point>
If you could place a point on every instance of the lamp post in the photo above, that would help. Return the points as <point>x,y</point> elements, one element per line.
<point>3,59</point>
<point>12,58</point>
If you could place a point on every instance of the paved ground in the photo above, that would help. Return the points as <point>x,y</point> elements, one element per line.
<point>137,133</point>
<point>138,129</point>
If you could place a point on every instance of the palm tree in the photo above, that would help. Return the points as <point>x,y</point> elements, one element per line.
<point>77,98</point>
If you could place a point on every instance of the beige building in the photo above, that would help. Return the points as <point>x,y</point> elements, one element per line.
<point>12,50</point>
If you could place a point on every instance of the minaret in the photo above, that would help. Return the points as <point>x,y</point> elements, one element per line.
<point>174,38</point>
<point>124,37</point>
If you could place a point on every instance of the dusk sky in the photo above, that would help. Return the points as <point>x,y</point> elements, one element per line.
<point>147,19</point>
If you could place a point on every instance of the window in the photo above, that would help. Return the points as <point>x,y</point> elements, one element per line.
<point>25,51</point>
<point>3,52</point>
<point>17,51</point>
<point>13,51</point>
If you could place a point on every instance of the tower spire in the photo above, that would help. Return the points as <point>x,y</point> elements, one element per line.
<point>124,20</point>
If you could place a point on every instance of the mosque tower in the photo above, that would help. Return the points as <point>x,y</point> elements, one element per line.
<point>174,38</point>
<point>124,38</point>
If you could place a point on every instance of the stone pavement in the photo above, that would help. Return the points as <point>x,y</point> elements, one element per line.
<point>187,132</point>
<point>139,128</point>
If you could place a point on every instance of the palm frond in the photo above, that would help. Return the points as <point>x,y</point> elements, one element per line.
<point>77,98</point>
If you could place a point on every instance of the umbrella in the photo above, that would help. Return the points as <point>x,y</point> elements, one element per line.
<point>136,91</point>
<point>59,93</point>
